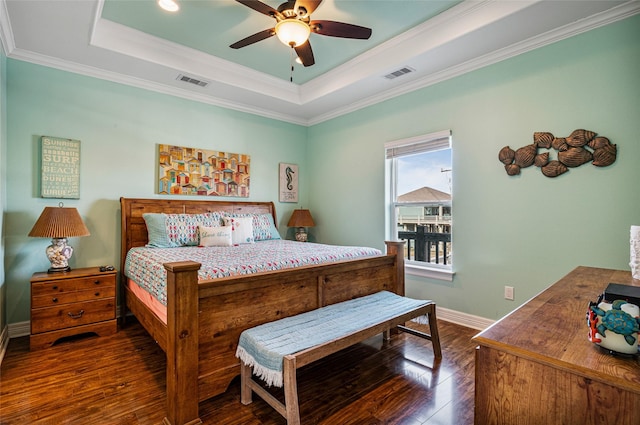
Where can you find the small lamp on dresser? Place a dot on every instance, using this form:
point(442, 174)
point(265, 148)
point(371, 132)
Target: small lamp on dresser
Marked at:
point(301, 219)
point(59, 223)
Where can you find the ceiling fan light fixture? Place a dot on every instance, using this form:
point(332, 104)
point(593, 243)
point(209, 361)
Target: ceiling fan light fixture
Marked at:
point(292, 32)
point(169, 5)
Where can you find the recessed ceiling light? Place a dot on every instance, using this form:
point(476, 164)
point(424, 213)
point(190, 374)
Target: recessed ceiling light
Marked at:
point(169, 5)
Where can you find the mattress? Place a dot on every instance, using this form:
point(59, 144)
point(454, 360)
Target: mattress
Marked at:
point(144, 266)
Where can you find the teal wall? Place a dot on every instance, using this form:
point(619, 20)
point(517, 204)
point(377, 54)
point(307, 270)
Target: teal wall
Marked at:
point(3, 191)
point(525, 231)
point(119, 128)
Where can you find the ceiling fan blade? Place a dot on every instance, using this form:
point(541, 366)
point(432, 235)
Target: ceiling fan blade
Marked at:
point(340, 29)
point(305, 54)
point(259, 36)
point(309, 5)
point(261, 7)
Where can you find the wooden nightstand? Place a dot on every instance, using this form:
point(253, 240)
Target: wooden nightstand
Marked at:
point(72, 303)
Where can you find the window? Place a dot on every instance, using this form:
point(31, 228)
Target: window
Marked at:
point(418, 175)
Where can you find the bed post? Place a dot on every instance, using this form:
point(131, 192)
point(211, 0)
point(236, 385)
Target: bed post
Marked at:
point(397, 248)
point(182, 343)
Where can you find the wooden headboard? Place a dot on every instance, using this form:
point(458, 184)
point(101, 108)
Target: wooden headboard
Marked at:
point(134, 230)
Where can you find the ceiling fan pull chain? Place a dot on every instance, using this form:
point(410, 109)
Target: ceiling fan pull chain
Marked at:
point(292, 60)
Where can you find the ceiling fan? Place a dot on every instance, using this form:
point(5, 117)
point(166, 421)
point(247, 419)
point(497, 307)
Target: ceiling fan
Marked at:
point(294, 25)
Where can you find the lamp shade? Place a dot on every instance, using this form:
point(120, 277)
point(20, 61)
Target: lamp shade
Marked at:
point(292, 32)
point(301, 218)
point(59, 222)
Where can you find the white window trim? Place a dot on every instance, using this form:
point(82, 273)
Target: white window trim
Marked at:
point(430, 272)
point(422, 143)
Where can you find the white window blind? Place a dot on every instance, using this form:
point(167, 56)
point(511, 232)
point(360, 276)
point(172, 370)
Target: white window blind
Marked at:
point(419, 144)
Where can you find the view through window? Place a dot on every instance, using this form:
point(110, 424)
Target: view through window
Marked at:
point(419, 176)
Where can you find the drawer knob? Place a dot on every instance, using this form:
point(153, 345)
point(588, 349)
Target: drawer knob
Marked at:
point(97, 282)
point(55, 300)
point(55, 287)
point(97, 294)
point(76, 316)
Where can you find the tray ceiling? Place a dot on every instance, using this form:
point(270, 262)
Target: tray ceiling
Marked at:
point(137, 43)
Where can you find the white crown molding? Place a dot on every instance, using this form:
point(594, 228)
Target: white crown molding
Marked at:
point(7, 43)
point(612, 15)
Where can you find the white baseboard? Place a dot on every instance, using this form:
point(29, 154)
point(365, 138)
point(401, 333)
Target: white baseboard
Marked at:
point(4, 342)
point(463, 319)
point(19, 329)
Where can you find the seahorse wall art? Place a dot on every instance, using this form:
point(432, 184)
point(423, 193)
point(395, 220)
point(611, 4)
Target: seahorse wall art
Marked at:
point(581, 147)
point(289, 172)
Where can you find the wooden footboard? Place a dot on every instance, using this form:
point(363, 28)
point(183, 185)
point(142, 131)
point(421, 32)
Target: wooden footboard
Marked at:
point(204, 324)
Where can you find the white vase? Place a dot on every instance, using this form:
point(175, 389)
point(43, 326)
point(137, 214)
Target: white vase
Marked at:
point(635, 252)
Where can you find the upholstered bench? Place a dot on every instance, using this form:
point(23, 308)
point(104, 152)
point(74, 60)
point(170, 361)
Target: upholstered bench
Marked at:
point(274, 351)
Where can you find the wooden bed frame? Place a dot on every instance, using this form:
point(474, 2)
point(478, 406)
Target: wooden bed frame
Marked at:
point(205, 319)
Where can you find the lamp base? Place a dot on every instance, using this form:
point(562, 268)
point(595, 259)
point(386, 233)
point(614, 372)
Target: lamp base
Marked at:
point(59, 269)
point(59, 254)
point(301, 234)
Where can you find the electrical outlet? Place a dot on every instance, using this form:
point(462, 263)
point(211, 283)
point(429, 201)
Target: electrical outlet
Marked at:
point(508, 293)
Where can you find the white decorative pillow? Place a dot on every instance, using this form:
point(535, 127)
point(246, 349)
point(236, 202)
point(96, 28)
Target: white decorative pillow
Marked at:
point(242, 229)
point(215, 236)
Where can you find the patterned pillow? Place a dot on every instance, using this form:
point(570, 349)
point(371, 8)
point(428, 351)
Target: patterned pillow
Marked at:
point(173, 230)
point(263, 226)
point(215, 236)
point(242, 231)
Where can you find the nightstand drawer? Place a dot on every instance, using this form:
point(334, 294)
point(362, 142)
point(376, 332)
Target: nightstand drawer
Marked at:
point(57, 287)
point(66, 316)
point(63, 297)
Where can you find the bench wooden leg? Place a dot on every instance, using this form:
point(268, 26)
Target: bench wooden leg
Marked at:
point(245, 387)
point(435, 336)
point(386, 335)
point(291, 391)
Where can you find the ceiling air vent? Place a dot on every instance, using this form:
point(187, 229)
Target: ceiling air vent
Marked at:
point(399, 73)
point(192, 80)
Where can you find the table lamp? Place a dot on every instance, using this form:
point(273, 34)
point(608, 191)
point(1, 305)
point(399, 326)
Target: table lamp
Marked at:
point(301, 219)
point(59, 223)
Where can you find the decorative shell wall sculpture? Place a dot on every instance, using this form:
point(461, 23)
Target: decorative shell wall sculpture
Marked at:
point(604, 156)
point(506, 155)
point(512, 169)
point(580, 147)
point(525, 155)
point(541, 159)
point(575, 157)
point(554, 169)
point(543, 139)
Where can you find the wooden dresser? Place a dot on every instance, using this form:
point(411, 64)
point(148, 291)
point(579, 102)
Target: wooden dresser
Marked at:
point(536, 365)
point(72, 303)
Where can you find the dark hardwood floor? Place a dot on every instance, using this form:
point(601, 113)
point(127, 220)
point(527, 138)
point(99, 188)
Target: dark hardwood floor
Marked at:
point(120, 380)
